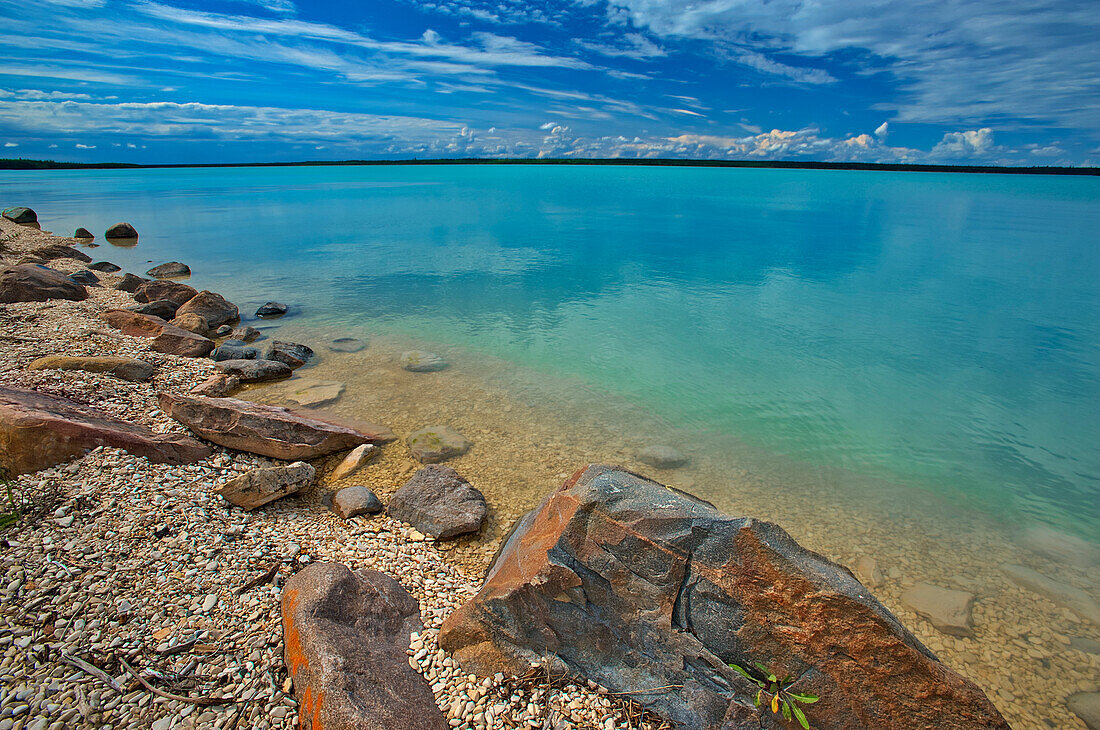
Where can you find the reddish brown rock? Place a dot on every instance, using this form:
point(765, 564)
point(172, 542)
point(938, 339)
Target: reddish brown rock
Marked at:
point(39, 430)
point(162, 289)
point(35, 283)
point(268, 430)
point(345, 635)
point(651, 591)
point(212, 307)
point(167, 338)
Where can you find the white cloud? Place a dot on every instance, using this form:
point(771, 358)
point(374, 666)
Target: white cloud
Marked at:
point(85, 146)
point(548, 125)
point(11, 144)
point(971, 143)
point(882, 130)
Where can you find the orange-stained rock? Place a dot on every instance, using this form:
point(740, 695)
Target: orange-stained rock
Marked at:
point(651, 591)
point(38, 430)
point(345, 635)
point(268, 430)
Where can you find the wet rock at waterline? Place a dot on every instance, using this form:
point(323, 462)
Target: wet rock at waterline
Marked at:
point(662, 457)
point(439, 502)
point(20, 214)
point(34, 283)
point(224, 331)
point(121, 230)
point(39, 430)
point(437, 443)
point(170, 270)
point(354, 501)
point(245, 334)
point(124, 368)
point(254, 371)
point(289, 353)
point(83, 233)
point(420, 361)
point(212, 307)
point(268, 430)
point(105, 266)
point(625, 582)
point(173, 291)
point(345, 635)
point(347, 344)
point(271, 310)
point(949, 611)
point(234, 351)
point(260, 486)
point(354, 461)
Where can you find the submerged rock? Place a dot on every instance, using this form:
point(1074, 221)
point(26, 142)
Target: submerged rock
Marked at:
point(124, 368)
point(354, 501)
point(83, 233)
point(347, 344)
point(1086, 705)
point(345, 637)
point(289, 353)
point(170, 270)
point(949, 611)
point(20, 214)
point(33, 283)
point(255, 371)
point(212, 307)
point(121, 230)
point(271, 310)
point(1060, 594)
point(268, 430)
point(439, 502)
point(245, 334)
point(866, 569)
point(437, 443)
point(662, 457)
point(260, 486)
point(1061, 548)
point(653, 592)
point(420, 361)
point(39, 430)
point(310, 393)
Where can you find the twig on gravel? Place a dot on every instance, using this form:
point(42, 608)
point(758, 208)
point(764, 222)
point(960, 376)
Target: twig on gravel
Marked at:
point(93, 670)
point(261, 579)
point(200, 701)
point(178, 648)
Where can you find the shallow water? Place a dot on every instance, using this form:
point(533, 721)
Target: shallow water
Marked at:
point(899, 365)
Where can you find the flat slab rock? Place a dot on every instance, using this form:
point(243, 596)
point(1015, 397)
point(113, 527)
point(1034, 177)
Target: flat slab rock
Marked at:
point(124, 368)
point(439, 502)
point(167, 338)
point(434, 444)
point(260, 486)
point(949, 611)
point(268, 430)
point(1058, 593)
point(36, 283)
point(420, 361)
point(345, 634)
point(38, 430)
point(1086, 705)
point(310, 393)
point(636, 586)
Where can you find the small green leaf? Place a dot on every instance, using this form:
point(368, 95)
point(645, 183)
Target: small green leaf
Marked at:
point(759, 698)
point(746, 675)
point(807, 698)
point(786, 711)
point(801, 717)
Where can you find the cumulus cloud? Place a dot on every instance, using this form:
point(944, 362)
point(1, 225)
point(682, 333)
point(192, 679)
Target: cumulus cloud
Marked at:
point(85, 146)
point(11, 144)
point(971, 143)
point(882, 130)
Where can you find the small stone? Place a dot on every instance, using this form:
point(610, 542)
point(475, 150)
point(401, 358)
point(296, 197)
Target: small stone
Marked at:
point(354, 501)
point(209, 602)
point(354, 461)
point(224, 330)
point(170, 270)
point(271, 310)
point(420, 361)
point(130, 283)
point(83, 233)
point(245, 334)
point(289, 353)
point(105, 266)
point(85, 277)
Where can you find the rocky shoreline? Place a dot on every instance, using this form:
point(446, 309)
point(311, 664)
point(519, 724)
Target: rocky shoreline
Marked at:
point(201, 580)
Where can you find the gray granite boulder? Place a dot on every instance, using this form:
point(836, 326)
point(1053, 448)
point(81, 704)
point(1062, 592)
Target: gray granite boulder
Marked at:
point(33, 283)
point(170, 270)
point(255, 371)
point(345, 637)
point(212, 307)
point(20, 214)
point(439, 502)
point(289, 353)
point(260, 486)
point(271, 310)
point(420, 361)
point(651, 592)
point(354, 501)
point(121, 230)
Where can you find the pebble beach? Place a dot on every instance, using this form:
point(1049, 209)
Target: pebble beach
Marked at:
point(122, 573)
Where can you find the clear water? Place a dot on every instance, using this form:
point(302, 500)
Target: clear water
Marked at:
point(936, 330)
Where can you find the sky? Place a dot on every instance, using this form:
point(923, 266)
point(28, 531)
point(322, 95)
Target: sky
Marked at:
point(1012, 82)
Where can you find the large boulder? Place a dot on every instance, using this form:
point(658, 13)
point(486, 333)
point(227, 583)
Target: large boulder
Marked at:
point(192, 323)
point(163, 289)
point(121, 230)
point(166, 338)
point(268, 430)
point(20, 214)
point(653, 592)
point(124, 368)
point(212, 307)
point(60, 251)
point(39, 430)
point(260, 486)
point(271, 310)
point(254, 371)
point(130, 283)
point(439, 502)
point(34, 283)
point(345, 635)
point(288, 353)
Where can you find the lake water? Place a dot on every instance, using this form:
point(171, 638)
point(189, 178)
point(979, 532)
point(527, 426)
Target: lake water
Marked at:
point(934, 330)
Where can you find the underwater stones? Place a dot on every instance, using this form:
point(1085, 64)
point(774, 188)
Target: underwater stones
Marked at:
point(437, 443)
point(254, 371)
point(661, 457)
point(83, 233)
point(290, 353)
point(34, 283)
point(1058, 593)
point(421, 361)
point(20, 214)
point(170, 270)
point(105, 266)
point(1060, 547)
point(124, 368)
point(271, 310)
point(354, 461)
point(949, 611)
point(346, 344)
point(439, 502)
point(130, 283)
point(260, 486)
point(1086, 705)
point(268, 430)
point(173, 291)
point(121, 230)
point(212, 307)
point(354, 501)
point(310, 393)
point(622, 581)
point(866, 569)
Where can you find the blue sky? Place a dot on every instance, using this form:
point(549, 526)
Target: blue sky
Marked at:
point(942, 81)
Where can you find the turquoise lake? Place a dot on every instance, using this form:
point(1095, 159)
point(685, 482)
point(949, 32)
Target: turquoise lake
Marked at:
point(934, 330)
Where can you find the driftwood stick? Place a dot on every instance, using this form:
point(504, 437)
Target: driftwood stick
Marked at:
point(200, 701)
point(261, 579)
point(94, 671)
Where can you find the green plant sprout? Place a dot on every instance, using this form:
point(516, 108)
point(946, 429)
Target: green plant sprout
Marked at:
point(9, 518)
point(783, 700)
